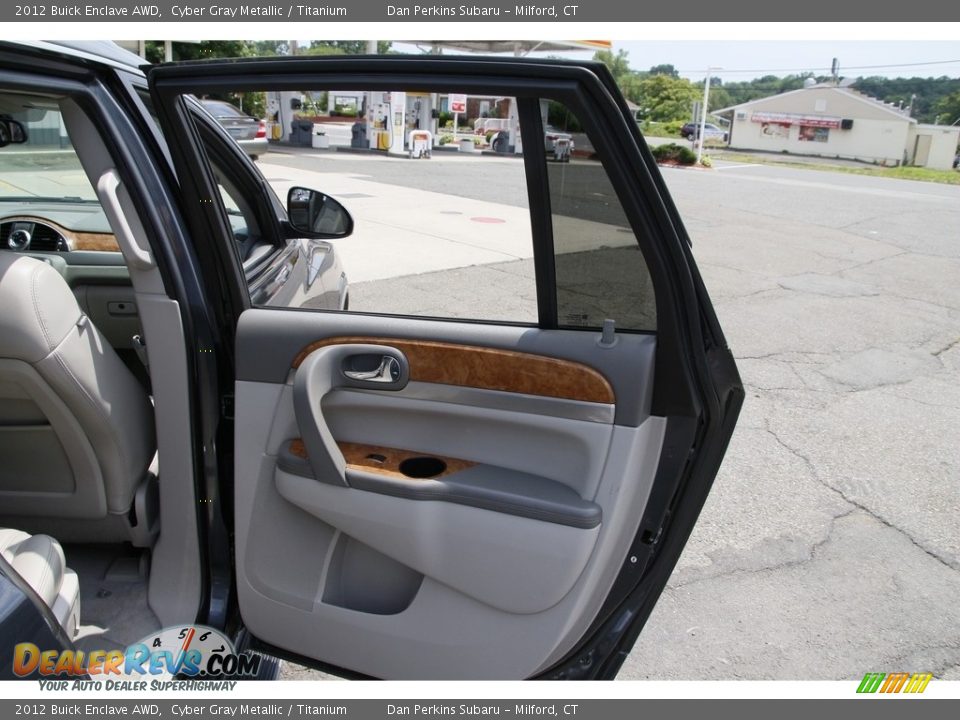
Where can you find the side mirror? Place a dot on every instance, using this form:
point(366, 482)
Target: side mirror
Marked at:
point(12, 132)
point(317, 215)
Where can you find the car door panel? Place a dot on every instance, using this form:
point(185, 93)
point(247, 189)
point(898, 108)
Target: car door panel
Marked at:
point(513, 540)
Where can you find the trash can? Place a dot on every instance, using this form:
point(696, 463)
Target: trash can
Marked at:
point(301, 132)
point(358, 135)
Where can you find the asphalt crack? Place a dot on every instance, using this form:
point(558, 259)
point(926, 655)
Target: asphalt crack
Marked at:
point(879, 518)
point(811, 556)
point(946, 348)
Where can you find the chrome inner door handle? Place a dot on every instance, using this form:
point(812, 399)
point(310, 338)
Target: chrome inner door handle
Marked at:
point(387, 372)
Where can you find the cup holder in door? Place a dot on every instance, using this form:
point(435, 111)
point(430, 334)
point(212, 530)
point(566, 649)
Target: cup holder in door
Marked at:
point(422, 468)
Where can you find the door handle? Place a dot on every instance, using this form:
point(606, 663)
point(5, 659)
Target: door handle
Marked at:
point(108, 187)
point(325, 370)
point(387, 372)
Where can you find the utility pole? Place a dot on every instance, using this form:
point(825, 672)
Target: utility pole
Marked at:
point(703, 112)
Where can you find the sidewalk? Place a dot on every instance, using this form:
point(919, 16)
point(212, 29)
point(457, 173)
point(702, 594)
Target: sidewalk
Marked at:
point(405, 231)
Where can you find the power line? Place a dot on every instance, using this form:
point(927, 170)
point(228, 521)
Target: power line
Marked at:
point(827, 69)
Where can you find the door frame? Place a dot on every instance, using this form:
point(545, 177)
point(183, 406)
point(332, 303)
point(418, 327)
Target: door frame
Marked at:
point(697, 386)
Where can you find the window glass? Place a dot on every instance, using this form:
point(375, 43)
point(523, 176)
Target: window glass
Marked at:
point(46, 201)
point(437, 189)
point(600, 270)
point(219, 108)
point(438, 198)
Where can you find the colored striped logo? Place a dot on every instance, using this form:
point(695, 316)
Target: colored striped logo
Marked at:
point(894, 682)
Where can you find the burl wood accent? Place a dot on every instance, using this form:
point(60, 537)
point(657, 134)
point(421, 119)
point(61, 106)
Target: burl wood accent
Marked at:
point(103, 242)
point(488, 368)
point(296, 447)
point(357, 458)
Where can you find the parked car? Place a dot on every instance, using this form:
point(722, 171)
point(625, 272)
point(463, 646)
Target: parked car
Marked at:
point(250, 133)
point(380, 496)
point(710, 131)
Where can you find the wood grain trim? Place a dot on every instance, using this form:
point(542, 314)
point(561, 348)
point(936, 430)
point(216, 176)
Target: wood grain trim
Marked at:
point(297, 448)
point(488, 368)
point(357, 456)
point(102, 242)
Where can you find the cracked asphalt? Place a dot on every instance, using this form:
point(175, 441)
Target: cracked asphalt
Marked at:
point(830, 545)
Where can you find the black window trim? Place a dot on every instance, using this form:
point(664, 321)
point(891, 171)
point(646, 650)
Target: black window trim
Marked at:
point(541, 214)
point(528, 91)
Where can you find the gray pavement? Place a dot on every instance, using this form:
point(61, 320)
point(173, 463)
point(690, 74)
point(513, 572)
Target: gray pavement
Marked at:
point(830, 544)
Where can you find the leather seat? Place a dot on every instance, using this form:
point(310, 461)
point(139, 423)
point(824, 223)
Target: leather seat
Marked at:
point(39, 561)
point(76, 427)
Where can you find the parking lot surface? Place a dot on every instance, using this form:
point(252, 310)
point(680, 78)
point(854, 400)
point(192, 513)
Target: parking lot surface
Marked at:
point(830, 545)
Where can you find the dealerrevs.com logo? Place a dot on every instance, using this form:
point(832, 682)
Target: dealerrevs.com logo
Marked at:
point(191, 652)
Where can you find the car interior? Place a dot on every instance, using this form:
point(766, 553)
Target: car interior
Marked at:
point(412, 496)
point(79, 468)
point(84, 413)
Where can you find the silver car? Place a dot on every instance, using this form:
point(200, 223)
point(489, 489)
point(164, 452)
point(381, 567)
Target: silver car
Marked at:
point(250, 133)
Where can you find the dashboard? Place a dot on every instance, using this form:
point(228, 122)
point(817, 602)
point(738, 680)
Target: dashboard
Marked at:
point(30, 233)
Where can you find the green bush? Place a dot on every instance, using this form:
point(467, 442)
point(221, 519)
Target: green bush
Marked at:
point(446, 139)
point(673, 153)
point(661, 129)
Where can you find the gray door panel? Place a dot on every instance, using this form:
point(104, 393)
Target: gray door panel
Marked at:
point(491, 567)
point(628, 365)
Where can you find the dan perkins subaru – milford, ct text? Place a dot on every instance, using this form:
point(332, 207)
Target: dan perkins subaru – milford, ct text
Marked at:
point(426, 11)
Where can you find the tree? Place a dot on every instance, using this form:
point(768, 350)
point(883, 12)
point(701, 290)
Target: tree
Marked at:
point(263, 48)
point(929, 92)
point(322, 50)
point(345, 47)
point(719, 97)
point(619, 64)
point(203, 50)
point(665, 70)
point(948, 109)
point(252, 103)
point(663, 98)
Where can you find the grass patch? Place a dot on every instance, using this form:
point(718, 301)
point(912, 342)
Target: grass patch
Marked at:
point(945, 177)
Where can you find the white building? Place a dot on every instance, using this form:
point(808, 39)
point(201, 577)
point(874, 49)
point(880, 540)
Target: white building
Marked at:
point(839, 122)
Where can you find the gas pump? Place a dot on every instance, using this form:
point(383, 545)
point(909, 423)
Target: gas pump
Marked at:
point(274, 130)
point(398, 123)
point(513, 127)
point(377, 120)
point(419, 106)
point(281, 106)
